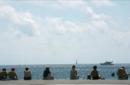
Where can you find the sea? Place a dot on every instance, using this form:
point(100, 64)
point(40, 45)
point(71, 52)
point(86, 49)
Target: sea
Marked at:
point(62, 71)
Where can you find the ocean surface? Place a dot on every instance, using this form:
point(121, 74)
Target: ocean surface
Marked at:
point(62, 71)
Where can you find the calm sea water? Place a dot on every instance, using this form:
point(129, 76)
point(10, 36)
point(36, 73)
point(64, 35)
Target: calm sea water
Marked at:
point(62, 71)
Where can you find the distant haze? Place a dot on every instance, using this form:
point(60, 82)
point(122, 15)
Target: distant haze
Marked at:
point(63, 31)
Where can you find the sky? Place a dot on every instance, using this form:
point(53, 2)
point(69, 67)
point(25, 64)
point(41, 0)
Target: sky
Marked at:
point(63, 31)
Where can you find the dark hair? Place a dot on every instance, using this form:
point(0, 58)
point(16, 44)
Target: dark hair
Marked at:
point(13, 69)
point(95, 67)
point(26, 68)
point(123, 67)
point(4, 69)
point(47, 68)
point(73, 66)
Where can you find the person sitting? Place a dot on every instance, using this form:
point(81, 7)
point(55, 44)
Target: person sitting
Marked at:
point(3, 74)
point(12, 75)
point(47, 74)
point(89, 77)
point(27, 74)
point(73, 73)
point(121, 73)
point(113, 74)
point(95, 74)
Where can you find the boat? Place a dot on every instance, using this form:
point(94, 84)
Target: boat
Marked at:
point(107, 63)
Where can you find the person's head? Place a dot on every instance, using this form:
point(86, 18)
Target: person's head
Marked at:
point(73, 67)
point(26, 68)
point(123, 67)
point(95, 67)
point(12, 69)
point(4, 69)
point(120, 69)
point(113, 74)
point(47, 68)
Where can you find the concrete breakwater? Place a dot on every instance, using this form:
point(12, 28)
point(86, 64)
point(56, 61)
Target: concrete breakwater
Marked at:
point(66, 82)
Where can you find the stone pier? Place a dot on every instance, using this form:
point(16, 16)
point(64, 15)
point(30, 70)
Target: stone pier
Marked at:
point(66, 82)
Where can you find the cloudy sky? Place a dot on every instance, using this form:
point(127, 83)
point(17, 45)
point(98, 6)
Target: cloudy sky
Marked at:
point(61, 31)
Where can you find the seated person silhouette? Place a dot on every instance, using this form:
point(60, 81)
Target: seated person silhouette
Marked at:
point(3, 74)
point(73, 73)
point(27, 74)
point(47, 74)
point(12, 75)
point(121, 73)
point(95, 74)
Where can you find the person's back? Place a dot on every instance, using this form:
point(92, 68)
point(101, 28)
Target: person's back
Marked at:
point(94, 73)
point(12, 74)
point(27, 74)
point(121, 73)
point(47, 74)
point(3, 74)
point(73, 73)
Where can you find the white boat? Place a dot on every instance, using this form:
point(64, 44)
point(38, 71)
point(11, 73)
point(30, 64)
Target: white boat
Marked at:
point(107, 63)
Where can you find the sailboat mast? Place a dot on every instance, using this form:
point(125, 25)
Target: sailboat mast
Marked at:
point(76, 62)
